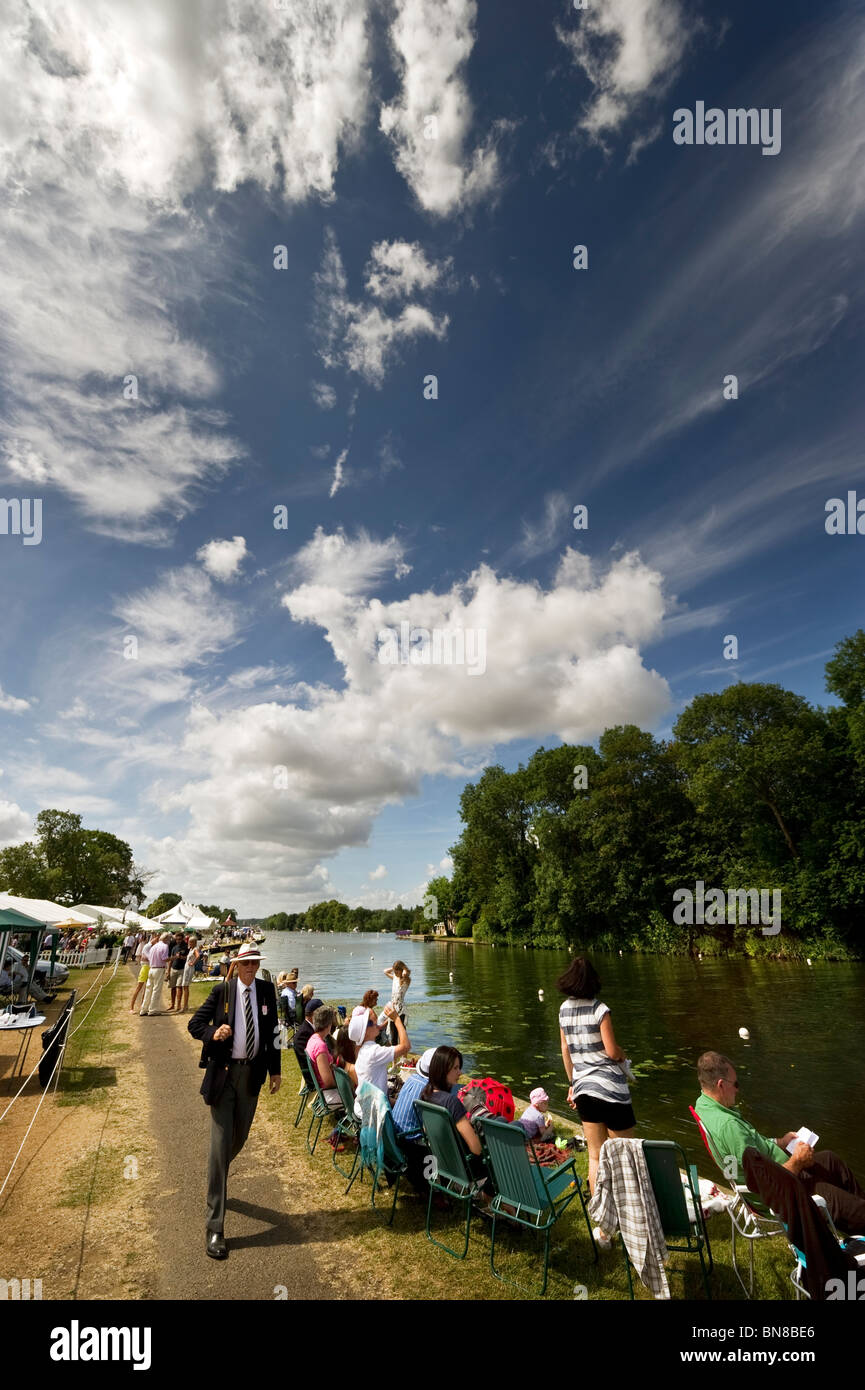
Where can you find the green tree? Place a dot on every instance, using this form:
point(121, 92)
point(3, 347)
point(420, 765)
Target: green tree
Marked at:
point(162, 904)
point(69, 864)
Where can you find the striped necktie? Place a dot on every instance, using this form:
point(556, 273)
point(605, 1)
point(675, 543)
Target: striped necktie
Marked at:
point(250, 1026)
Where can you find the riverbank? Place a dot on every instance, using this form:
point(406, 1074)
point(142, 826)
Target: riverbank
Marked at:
point(108, 1199)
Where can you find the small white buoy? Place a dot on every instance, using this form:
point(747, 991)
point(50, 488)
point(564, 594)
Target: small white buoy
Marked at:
point(743, 1033)
point(699, 955)
point(451, 975)
point(807, 960)
point(540, 994)
point(620, 953)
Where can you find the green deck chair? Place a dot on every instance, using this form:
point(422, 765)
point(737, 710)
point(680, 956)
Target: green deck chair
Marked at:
point(452, 1175)
point(527, 1194)
point(320, 1108)
point(664, 1159)
point(389, 1164)
point(348, 1127)
point(307, 1089)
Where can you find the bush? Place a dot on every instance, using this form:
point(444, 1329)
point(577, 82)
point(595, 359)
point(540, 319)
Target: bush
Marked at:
point(464, 926)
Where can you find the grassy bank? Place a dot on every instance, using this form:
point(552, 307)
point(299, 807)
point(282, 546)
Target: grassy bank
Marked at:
point(408, 1266)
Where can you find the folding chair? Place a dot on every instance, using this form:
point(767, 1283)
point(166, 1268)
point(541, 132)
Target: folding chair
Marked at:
point(321, 1107)
point(385, 1160)
point(749, 1217)
point(526, 1194)
point(307, 1088)
point(452, 1175)
point(348, 1126)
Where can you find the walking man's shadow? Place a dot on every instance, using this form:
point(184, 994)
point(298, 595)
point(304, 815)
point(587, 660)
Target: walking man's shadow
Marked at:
point(279, 1226)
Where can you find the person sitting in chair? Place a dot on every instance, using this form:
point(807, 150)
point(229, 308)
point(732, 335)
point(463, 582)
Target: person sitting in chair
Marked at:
point(824, 1172)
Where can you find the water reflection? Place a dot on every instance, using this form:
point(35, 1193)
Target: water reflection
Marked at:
point(801, 1066)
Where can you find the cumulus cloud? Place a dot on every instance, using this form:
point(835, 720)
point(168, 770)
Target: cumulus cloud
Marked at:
point(262, 786)
point(397, 268)
point(361, 336)
point(15, 824)
point(380, 872)
point(310, 775)
point(629, 50)
point(429, 124)
point(223, 559)
point(12, 704)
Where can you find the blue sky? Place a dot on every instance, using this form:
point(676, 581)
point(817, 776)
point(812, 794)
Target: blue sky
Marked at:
point(207, 685)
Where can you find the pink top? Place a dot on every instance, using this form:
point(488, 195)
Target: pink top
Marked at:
point(314, 1048)
point(158, 955)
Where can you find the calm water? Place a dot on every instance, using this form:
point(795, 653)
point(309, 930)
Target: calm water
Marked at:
point(803, 1064)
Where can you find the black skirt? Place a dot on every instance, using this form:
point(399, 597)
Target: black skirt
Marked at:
point(615, 1116)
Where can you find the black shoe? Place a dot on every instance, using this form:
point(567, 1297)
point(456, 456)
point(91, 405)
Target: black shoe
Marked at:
point(216, 1246)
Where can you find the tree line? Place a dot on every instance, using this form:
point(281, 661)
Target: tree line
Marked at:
point(756, 789)
point(336, 916)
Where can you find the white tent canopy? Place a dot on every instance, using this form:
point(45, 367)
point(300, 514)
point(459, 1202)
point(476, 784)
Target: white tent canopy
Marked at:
point(54, 914)
point(122, 916)
point(188, 916)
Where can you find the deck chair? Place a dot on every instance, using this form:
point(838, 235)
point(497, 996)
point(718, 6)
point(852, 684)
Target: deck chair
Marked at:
point(526, 1194)
point(678, 1205)
point(855, 1245)
point(321, 1108)
point(382, 1160)
point(348, 1126)
point(452, 1175)
point(307, 1087)
point(750, 1218)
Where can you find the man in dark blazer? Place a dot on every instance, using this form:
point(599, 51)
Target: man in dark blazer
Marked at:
point(238, 1025)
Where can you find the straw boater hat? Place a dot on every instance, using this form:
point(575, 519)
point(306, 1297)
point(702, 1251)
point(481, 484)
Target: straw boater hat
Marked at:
point(292, 976)
point(248, 953)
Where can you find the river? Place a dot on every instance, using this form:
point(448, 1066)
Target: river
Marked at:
point(794, 1070)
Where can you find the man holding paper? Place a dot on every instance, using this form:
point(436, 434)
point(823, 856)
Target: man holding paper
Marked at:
point(730, 1135)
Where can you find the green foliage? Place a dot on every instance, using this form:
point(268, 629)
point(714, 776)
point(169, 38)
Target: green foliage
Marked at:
point(757, 789)
point(162, 904)
point(68, 864)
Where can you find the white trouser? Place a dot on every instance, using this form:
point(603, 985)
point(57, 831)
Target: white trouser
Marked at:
point(152, 1001)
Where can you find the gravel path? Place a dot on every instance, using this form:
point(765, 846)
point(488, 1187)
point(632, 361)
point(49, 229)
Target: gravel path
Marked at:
point(268, 1256)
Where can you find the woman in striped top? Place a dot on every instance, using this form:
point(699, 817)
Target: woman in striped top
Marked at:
point(591, 1056)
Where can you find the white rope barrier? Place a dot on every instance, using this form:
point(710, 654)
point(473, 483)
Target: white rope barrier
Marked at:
point(55, 1070)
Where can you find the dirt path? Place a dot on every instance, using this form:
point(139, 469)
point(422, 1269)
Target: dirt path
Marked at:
point(266, 1239)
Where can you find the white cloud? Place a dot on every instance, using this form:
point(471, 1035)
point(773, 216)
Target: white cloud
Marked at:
point(362, 337)
point(432, 41)
point(629, 50)
point(178, 623)
point(11, 704)
point(15, 824)
point(312, 774)
point(323, 395)
point(539, 537)
point(114, 117)
point(337, 473)
point(380, 872)
point(223, 559)
point(333, 561)
point(396, 269)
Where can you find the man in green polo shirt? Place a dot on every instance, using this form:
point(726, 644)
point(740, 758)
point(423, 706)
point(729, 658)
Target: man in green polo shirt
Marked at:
point(730, 1135)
